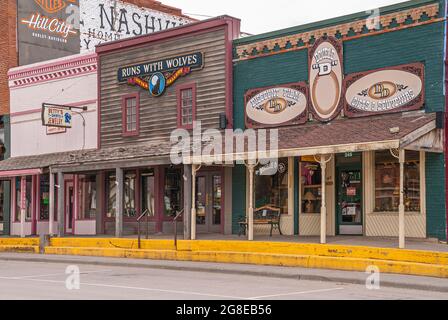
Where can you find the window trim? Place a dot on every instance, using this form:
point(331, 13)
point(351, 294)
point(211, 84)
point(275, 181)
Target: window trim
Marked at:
point(125, 131)
point(371, 200)
point(179, 89)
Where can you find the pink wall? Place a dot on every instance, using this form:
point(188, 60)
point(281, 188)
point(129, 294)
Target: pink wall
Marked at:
point(71, 80)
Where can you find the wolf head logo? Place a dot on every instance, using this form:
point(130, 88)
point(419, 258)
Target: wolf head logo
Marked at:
point(53, 6)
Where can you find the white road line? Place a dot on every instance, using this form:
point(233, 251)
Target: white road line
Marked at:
point(296, 293)
point(52, 274)
point(134, 288)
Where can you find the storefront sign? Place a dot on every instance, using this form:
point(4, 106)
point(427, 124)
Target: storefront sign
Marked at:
point(56, 117)
point(44, 31)
point(276, 106)
point(55, 130)
point(326, 77)
point(394, 89)
point(156, 76)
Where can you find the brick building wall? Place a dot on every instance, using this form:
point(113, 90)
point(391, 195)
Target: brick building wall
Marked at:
point(8, 52)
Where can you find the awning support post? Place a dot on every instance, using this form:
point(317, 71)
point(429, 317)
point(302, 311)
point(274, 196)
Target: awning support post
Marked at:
point(194, 170)
point(401, 208)
point(323, 211)
point(61, 207)
point(22, 206)
point(250, 233)
point(119, 207)
point(51, 199)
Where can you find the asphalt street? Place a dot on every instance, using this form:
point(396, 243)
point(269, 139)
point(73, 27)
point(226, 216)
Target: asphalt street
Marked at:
point(48, 280)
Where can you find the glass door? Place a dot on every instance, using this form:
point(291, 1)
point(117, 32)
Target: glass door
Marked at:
point(350, 197)
point(209, 202)
point(69, 207)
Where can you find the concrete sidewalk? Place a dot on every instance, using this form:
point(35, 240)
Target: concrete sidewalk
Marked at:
point(334, 276)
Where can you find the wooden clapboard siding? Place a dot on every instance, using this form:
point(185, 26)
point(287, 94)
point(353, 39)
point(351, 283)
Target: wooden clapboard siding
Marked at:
point(158, 116)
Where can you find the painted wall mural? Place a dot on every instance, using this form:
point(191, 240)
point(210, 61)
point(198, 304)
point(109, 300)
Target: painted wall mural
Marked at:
point(50, 29)
point(108, 20)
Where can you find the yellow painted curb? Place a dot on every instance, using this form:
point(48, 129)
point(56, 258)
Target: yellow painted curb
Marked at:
point(19, 248)
point(112, 243)
point(305, 261)
point(19, 241)
point(342, 251)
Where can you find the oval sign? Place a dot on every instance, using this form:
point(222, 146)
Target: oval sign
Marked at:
point(387, 90)
point(326, 78)
point(276, 106)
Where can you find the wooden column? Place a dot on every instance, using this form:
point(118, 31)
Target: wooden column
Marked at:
point(401, 208)
point(187, 201)
point(194, 170)
point(323, 210)
point(51, 205)
point(61, 211)
point(22, 206)
point(119, 203)
point(250, 220)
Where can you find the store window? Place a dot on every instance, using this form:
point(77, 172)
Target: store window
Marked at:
point(186, 102)
point(130, 111)
point(387, 182)
point(28, 199)
point(173, 202)
point(130, 180)
point(44, 194)
point(111, 191)
point(2, 201)
point(87, 196)
point(271, 185)
point(311, 186)
point(148, 191)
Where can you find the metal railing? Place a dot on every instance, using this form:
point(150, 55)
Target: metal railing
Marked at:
point(175, 220)
point(139, 219)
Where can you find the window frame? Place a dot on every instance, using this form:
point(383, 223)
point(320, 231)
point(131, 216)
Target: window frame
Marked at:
point(179, 90)
point(125, 131)
point(422, 168)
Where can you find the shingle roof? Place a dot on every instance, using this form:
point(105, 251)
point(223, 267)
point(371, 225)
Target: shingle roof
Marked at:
point(337, 132)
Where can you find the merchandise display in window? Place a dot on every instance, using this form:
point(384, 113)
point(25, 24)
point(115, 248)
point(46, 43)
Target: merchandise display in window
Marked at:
point(311, 180)
point(271, 185)
point(173, 192)
point(387, 182)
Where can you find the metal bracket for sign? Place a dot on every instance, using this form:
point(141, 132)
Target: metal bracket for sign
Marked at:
point(46, 105)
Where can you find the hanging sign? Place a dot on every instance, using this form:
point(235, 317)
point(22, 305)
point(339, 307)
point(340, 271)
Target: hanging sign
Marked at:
point(156, 76)
point(276, 106)
point(56, 117)
point(387, 90)
point(326, 77)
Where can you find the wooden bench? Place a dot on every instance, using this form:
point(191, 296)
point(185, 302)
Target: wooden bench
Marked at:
point(266, 215)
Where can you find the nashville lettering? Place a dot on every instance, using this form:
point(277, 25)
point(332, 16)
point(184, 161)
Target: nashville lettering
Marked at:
point(52, 25)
